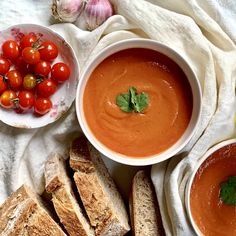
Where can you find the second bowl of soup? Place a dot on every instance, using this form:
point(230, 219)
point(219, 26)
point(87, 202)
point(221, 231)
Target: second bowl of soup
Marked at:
point(211, 192)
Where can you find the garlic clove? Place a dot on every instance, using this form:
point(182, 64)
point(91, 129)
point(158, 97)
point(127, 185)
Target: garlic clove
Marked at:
point(67, 10)
point(81, 22)
point(96, 12)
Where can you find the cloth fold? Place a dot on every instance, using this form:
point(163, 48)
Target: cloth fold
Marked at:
point(203, 32)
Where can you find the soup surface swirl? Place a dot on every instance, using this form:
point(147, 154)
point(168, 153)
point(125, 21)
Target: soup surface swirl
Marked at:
point(164, 120)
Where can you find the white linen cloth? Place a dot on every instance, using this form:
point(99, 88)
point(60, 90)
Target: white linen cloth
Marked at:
point(203, 32)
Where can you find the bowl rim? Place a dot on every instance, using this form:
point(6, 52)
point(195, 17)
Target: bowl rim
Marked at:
point(192, 176)
point(73, 55)
point(119, 46)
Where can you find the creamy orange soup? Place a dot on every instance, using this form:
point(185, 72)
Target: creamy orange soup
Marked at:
point(164, 120)
point(211, 215)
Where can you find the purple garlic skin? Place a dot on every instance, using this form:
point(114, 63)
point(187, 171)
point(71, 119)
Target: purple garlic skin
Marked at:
point(67, 10)
point(97, 12)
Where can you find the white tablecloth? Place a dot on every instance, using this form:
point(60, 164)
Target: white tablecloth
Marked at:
point(203, 32)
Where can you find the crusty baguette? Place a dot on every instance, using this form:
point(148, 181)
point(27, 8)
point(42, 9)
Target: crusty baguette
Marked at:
point(144, 209)
point(102, 201)
point(67, 208)
point(24, 214)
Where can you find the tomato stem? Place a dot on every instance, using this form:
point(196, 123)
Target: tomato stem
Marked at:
point(37, 44)
point(4, 79)
point(16, 102)
point(39, 79)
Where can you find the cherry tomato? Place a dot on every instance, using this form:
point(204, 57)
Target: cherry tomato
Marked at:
point(4, 66)
point(7, 99)
point(60, 72)
point(14, 79)
point(46, 88)
point(28, 40)
point(23, 67)
point(29, 81)
point(31, 55)
point(42, 68)
point(42, 105)
point(3, 84)
point(10, 49)
point(48, 51)
point(26, 100)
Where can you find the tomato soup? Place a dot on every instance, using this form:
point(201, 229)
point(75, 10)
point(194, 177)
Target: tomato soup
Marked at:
point(210, 213)
point(164, 120)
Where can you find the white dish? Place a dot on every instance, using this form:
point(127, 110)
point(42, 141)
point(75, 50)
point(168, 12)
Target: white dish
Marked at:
point(189, 185)
point(66, 92)
point(196, 91)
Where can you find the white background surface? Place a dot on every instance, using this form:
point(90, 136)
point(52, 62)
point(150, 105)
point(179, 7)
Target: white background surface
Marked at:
point(203, 32)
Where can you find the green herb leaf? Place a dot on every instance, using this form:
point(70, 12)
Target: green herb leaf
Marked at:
point(132, 101)
point(228, 191)
point(132, 92)
point(123, 101)
point(141, 102)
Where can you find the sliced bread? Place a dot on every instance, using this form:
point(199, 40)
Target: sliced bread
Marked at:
point(101, 199)
point(23, 213)
point(144, 209)
point(66, 206)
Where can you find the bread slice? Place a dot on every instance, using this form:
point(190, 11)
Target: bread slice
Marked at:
point(144, 209)
point(24, 214)
point(67, 208)
point(101, 199)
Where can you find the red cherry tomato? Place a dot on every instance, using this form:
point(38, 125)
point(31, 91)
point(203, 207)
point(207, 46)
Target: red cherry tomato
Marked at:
point(10, 49)
point(7, 99)
point(26, 100)
point(28, 40)
point(60, 72)
point(29, 81)
point(42, 68)
point(31, 55)
point(48, 51)
point(3, 85)
point(14, 79)
point(23, 67)
point(46, 88)
point(42, 106)
point(4, 66)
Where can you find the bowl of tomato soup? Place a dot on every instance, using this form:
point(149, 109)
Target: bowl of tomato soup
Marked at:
point(211, 193)
point(138, 102)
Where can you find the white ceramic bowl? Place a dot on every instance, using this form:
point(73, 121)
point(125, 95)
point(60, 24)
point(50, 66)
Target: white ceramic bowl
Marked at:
point(196, 91)
point(190, 182)
point(66, 92)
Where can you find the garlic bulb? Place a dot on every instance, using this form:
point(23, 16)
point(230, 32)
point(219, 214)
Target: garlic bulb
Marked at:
point(67, 10)
point(81, 22)
point(96, 12)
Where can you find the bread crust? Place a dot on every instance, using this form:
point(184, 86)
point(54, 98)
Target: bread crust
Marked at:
point(14, 216)
point(144, 223)
point(94, 184)
point(80, 159)
point(94, 198)
point(39, 223)
point(23, 214)
point(65, 204)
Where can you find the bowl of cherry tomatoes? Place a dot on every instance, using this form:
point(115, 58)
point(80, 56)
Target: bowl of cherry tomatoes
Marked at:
point(38, 76)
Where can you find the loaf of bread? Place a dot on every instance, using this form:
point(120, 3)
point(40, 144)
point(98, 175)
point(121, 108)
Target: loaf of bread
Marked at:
point(23, 213)
point(102, 201)
point(67, 207)
point(144, 209)
point(103, 212)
